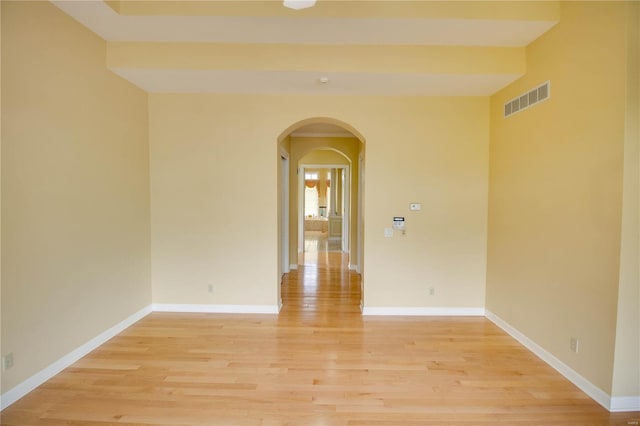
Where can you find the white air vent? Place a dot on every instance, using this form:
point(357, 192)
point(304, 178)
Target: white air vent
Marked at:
point(528, 99)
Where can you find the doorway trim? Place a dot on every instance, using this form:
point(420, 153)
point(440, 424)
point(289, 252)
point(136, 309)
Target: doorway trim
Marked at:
point(283, 267)
point(284, 205)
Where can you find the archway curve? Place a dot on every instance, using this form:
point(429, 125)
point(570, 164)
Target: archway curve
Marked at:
point(321, 120)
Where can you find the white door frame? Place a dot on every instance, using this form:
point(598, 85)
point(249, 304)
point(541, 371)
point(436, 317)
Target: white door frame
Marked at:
point(284, 205)
point(347, 201)
point(360, 238)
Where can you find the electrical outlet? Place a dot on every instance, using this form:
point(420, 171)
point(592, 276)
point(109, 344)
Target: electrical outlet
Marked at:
point(432, 291)
point(574, 344)
point(210, 288)
point(7, 361)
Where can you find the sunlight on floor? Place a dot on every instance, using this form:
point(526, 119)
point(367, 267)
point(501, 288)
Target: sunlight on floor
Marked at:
point(317, 248)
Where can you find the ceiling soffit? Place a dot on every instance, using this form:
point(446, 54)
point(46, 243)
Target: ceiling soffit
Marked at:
point(362, 47)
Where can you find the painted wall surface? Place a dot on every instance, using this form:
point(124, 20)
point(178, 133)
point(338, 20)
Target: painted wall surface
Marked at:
point(434, 152)
point(214, 195)
point(556, 191)
point(305, 148)
point(75, 189)
point(626, 369)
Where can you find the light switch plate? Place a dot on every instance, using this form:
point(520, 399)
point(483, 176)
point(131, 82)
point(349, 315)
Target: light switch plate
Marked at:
point(388, 232)
point(415, 206)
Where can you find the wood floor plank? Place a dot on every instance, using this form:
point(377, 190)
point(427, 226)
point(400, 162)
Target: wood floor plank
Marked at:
point(318, 362)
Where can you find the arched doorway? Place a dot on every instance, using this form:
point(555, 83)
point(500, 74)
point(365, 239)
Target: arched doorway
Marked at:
point(318, 134)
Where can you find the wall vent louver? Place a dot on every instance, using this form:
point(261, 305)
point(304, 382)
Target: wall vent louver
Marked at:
point(527, 100)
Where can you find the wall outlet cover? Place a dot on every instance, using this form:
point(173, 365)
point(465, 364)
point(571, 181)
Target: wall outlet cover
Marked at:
point(574, 344)
point(7, 361)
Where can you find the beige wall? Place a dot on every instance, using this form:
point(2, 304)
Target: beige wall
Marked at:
point(556, 191)
point(435, 152)
point(214, 195)
point(75, 193)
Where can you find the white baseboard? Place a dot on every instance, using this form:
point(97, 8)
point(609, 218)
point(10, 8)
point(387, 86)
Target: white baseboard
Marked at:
point(372, 310)
point(48, 372)
point(597, 394)
point(293, 266)
point(219, 309)
point(624, 403)
point(353, 267)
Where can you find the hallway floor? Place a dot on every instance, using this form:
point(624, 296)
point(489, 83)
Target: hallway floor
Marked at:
point(318, 242)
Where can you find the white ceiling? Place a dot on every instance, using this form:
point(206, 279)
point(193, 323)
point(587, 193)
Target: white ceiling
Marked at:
point(111, 26)
point(300, 29)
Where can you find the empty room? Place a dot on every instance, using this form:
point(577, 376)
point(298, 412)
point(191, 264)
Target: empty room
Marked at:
point(320, 212)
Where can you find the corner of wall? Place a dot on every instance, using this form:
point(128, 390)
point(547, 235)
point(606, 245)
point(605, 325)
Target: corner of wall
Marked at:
point(626, 369)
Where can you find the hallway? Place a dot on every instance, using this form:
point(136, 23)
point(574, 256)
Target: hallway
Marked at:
point(322, 287)
point(322, 290)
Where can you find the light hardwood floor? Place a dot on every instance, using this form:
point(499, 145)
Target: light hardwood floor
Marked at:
point(317, 363)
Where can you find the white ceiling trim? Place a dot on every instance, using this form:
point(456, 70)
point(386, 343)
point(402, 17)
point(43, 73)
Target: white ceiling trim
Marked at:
point(271, 82)
point(111, 26)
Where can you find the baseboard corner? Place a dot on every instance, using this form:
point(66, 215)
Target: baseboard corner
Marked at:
point(624, 403)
